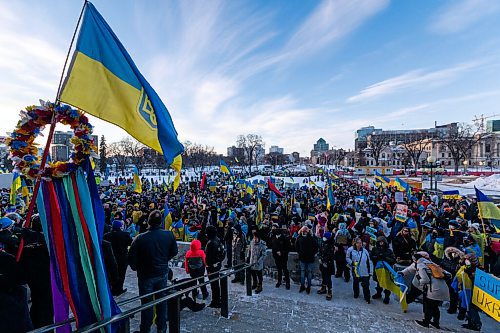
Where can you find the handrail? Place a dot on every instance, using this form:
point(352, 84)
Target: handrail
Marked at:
point(224, 273)
point(128, 313)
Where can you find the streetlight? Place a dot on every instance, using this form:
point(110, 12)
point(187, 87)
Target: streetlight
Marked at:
point(431, 164)
point(465, 165)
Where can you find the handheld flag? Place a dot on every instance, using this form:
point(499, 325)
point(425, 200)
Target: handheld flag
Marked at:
point(403, 186)
point(330, 200)
point(137, 181)
point(451, 194)
point(203, 181)
point(167, 217)
point(273, 188)
point(383, 180)
point(260, 212)
point(225, 168)
point(25, 191)
point(16, 185)
point(104, 81)
point(487, 208)
point(390, 280)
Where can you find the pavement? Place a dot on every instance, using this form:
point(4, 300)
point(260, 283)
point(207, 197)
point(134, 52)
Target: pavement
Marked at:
point(281, 310)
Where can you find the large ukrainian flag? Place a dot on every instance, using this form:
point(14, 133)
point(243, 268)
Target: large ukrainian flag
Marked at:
point(103, 81)
point(488, 209)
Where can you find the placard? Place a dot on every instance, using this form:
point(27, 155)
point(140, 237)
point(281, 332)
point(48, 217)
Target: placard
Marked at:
point(486, 294)
point(399, 197)
point(401, 212)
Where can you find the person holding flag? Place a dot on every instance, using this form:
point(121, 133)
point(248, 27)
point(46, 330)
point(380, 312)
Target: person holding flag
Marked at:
point(382, 253)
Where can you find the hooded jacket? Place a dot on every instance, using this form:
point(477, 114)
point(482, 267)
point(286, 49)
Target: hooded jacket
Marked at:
point(382, 253)
point(195, 257)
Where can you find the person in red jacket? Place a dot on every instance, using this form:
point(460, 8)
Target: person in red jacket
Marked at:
point(195, 266)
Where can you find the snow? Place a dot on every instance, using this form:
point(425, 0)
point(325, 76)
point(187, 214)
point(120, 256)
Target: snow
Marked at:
point(487, 183)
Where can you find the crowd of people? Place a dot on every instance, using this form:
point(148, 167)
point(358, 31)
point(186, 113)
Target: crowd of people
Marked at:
point(439, 244)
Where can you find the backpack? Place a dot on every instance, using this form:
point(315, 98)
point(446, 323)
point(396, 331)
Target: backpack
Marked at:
point(221, 252)
point(436, 271)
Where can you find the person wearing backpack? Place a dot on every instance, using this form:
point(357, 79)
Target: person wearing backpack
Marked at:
point(358, 259)
point(215, 254)
point(195, 263)
point(430, 278)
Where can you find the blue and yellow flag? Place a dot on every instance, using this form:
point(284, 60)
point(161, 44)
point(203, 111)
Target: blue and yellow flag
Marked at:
point(137, 181)
point(25, 191)
point(488, 209)
point(380, 179)
point(403, 186)
point(330, 200)
point(104, 82)
point(454, 194)
point(16, 185)
point(390, 280)
point(167, 217)
point(249, 188)
point(225, 168)
point(260, 212)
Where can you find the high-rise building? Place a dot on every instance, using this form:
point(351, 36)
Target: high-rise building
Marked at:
point(493, 126)
point(61, 145)
point(276, 149)
point(59, 152)
point(321, 145)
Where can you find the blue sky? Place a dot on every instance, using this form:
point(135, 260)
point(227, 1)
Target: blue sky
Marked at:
point(292, 71)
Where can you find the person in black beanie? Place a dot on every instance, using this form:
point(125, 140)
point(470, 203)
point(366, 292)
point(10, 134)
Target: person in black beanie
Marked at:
point(214, 251)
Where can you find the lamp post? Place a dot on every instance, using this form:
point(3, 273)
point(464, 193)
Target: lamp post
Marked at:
point(431, 164)
point(465, 166)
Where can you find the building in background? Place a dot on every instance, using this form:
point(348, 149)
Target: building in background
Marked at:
point(493, 126)
point(61, 145)
point(276, 150)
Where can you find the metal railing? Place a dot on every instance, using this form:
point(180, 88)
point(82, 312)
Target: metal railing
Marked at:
point(173, 300)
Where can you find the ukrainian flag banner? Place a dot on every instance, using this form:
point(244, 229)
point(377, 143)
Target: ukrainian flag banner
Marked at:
point(330, 200)
point(103, 81)
point(403, 186)
point(225, 168)
point(390, 280)
point(487, 208)
point(16, 185)
point(137, 181)
point(167, 217)
point(486, 294)
point(381, 179)
point(454, 194)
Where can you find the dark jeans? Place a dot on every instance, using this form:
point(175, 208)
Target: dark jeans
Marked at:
point(326, 275)
point(365, 284)
point(199, 273)
point(147, 286)
point(229, 254)
point(282, 266)
point(431, 310)
point(122, 270)
point(473, 317)
point(412, 294)
point(342, 269)
point(215, 285)
point(256, 275)
point(306, 270)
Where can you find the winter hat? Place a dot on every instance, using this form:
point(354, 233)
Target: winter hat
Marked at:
point(304, 229)
point(117, 224)
point(5, 222)
point(276, 225)
point(427, 225)
point(237, 227)
point(453, 223)
point(472, 258)
point(421, 254)
point(381, 239)
point(327, 235)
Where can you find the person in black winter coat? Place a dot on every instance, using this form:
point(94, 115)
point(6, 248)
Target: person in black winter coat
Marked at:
point(149, 255)
point(120, 241)
point(307, 247)
point(326, 258)
point(214, 263)
point(403, 246)
point(228, 241)
point(110, 263)
point(280, 245)
point(382, 252)
point(451, 264)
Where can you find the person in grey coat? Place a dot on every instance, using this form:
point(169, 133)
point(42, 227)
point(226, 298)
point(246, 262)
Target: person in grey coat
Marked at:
point(256, 256)
point(358, 259)
point(435, 290)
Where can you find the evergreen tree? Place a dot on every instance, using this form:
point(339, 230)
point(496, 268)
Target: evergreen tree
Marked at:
point(102, 154)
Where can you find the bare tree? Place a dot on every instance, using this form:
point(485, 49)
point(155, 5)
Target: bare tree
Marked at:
point(117, 154)
point(336, 156)
point(460, 141)
point(135, 151)
point(377, 143)
point(198, 156)
point(250, 144)
point(414, 146)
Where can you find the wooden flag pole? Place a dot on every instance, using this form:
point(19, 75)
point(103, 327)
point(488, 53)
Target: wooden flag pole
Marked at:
point(27, 221)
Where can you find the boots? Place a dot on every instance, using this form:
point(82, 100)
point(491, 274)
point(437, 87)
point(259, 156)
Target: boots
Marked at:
point(461, 313)
point(258, 290)
point(302, 288)
point(322, 291)
point(377, 295)
point(278, 284)
point(287, 285)
point(329, 295)
point(387, 298)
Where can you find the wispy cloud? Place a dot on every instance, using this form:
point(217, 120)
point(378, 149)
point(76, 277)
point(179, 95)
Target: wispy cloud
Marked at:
point(412, 79)
point(461, 14)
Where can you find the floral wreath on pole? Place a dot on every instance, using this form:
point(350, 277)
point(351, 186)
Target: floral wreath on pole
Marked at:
point(24, 151)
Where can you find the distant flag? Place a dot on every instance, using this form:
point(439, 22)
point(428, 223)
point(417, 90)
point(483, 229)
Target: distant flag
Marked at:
point(260, 212)
point(177, 166)
point(488, 209)
point(137, 181)
point(25, 191)
point(225, 168)
point(181, 201)
point(203, 181)
point(236, 159)
point(165, 187)
point(403, 186)
point(390, 280)
point(92, 163)
point(249, 188)
point(104, 81)
point(106, 172)
point(379, 178)
point(330, 200)
point(273, 188)
point(16, 185)
point(293, 180)
point(455, 194)
point(167, 217)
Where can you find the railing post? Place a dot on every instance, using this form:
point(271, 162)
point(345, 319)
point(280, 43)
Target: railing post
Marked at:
point(224, 309)
point(174, 315)
point(248, 281)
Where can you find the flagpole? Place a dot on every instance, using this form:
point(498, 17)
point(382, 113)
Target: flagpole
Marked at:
point(27, 221)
